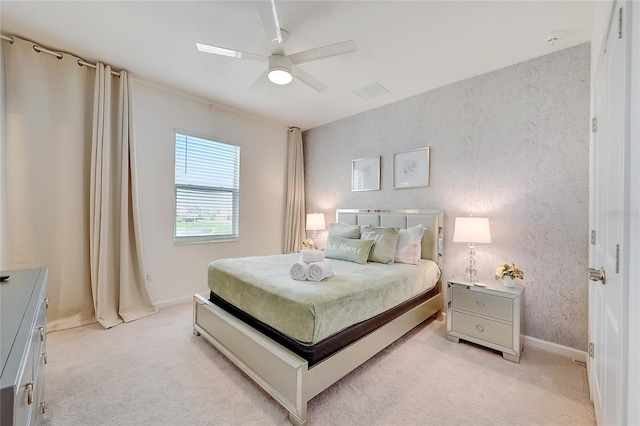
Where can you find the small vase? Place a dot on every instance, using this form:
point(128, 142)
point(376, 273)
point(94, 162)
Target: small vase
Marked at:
point(508, 282)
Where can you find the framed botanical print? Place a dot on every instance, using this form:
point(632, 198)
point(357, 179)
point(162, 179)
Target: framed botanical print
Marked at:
point(411, 169)
point(365, 174)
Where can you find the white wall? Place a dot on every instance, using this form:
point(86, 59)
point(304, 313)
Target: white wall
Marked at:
point(512, 145)
point(181, 270)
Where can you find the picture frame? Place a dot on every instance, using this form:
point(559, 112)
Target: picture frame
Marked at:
point(365, 174)
point(411, 169)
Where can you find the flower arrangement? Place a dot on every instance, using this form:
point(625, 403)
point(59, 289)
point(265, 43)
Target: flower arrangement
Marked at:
point(509, 271)
point(309, 244)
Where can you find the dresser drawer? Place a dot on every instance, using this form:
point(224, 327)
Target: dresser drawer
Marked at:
point(482, 303)
point(40, 330)
point(483, 329)
point(23, 321)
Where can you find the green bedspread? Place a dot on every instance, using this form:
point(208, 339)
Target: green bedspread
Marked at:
point(311, 311)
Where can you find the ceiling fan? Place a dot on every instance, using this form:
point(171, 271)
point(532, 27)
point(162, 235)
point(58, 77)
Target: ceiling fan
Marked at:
point(282, 67)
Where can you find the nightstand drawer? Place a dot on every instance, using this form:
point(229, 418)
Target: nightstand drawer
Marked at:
point(483, 329)
point(482, 303)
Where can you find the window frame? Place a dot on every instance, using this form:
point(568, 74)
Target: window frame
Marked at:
point(204, 239)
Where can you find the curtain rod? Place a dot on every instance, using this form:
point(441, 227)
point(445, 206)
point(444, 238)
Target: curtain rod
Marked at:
point(58, 55)
point(11, 39)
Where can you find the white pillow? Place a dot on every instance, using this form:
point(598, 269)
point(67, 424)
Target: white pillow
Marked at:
point(409, 249)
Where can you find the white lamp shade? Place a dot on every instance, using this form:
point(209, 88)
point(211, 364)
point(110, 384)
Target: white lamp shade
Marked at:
point(472, 230)
point(315, 222)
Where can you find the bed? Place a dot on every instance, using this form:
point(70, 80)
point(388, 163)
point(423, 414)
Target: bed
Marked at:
point(295, 369)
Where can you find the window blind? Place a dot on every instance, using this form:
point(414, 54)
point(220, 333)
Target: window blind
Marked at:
point(206, 189)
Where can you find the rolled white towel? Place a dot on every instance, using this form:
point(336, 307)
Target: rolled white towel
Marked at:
point(318, 271)
point(298, 270)
point(310, 256)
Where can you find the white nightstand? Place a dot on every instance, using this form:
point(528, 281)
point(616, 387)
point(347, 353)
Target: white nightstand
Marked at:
point(491, 316)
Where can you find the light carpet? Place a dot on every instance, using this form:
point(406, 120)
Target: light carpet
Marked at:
point(154, 371)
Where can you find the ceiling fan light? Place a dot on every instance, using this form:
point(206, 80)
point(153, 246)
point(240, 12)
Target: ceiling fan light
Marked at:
point(280, 75)
point(280, 69)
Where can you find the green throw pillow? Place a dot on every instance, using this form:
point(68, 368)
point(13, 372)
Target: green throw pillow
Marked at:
point(385, 243)
point(348, 249)
point(344, 231)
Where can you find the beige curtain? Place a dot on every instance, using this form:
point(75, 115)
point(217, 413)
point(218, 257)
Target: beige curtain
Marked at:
point(117, 271)
point(55, 212)
point(294, 230)
point(48, 106)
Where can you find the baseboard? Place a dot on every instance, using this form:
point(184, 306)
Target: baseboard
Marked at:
point(561, 350)
point(173, 302)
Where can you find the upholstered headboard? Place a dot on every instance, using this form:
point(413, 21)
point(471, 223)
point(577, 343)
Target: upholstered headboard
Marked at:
point(431, 219)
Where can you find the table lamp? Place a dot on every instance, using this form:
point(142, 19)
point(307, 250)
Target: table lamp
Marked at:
point(471, 230)
point(315, 223)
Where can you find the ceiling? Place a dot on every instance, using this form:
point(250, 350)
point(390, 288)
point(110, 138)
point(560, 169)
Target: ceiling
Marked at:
point(408, 47)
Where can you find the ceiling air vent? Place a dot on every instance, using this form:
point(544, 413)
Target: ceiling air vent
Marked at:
point(372, 91)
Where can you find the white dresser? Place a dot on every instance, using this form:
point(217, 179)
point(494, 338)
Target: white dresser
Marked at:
point(23, 330)
point(491, 316)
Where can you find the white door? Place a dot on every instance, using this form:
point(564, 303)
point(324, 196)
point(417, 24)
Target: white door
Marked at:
point(607, 307)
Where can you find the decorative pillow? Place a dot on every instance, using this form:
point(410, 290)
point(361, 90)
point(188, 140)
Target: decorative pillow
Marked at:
point(385, 241)
point(409, 248)
point(344, 231)
point(348, 249)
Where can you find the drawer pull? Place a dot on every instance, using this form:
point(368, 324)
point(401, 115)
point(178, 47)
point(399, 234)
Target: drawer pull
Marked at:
point(29, 393)
point(42, 407)
point(46, 302)
point(41, 331)
point(480, 303)
point(44, 357)
point(480, 328)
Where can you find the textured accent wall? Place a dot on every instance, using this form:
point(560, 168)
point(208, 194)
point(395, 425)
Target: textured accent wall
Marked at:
point(512, 145)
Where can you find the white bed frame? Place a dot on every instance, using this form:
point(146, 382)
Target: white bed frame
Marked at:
point(285, 375)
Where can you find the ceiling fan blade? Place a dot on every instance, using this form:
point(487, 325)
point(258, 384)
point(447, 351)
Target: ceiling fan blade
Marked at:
point(271, 24)
point(260, 81)
point(207, 48)
point(308, 79)
point(323, 52)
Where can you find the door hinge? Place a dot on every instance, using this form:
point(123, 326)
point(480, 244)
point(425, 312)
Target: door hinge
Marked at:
point(594, 124)
point(617, 258)
point(619, 23)
point(591, 350)
point(593, 237)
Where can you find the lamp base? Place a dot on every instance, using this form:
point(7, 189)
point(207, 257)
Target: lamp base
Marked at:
point(470, 272)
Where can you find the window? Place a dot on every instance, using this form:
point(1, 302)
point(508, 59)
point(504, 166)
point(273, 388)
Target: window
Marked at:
point(207, 187)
